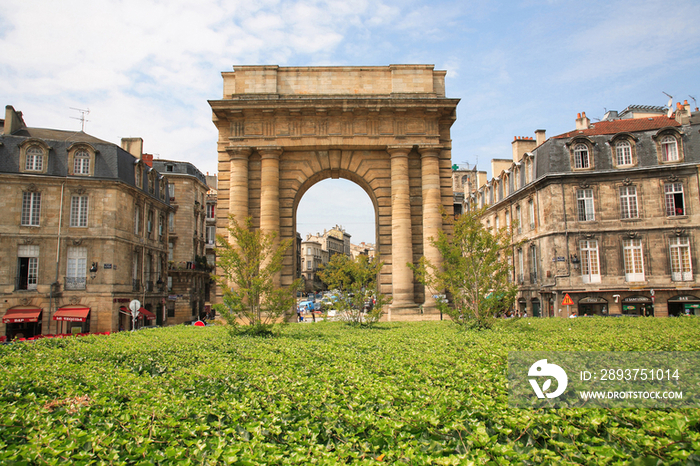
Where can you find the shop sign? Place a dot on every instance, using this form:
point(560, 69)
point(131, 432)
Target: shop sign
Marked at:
point(629, 308)
point(592, 300)
point(637, 299)
point(691, 305)
point(108, 266)
point(684, 298)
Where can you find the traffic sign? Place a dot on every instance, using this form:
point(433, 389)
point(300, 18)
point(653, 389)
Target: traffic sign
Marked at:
point(567, 300)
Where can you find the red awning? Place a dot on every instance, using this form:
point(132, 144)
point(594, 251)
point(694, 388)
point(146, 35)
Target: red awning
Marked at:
point(72, 313)
point(124, 310)
point(20, 314)
point(147, 314)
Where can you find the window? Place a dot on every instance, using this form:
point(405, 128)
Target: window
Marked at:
point(137, 220)
point(584, 198)
point(533, 264)
point(76, 269)
point(634, 260)
point(508, 220)
point(31, 207)
point(151, 184)
point(27, 267)
point(519, 219)
point(81, 163)
point(628, 202)
point(590, 268)
point(150, 223)
point(137, 177)
point(308, 265)
point(674, 199)
point(497, 223)
point(681, 269)
point(171, 221)
point(581, 159)
point(531, 210)
point(161, 225)
point(211, 235)
point(623, 153)
point(211, 211)
point(35, 159)
point(79, 211)
point(171, 191)
point(669, 149)
point(521, 267)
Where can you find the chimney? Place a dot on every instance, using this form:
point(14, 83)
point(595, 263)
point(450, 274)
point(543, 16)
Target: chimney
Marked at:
point(520, 146)
point(540, 137)
point(582, 122)
point(134, 146)
point(148, 159)
point(13, 120)
point(481, 179)
point(683, 112)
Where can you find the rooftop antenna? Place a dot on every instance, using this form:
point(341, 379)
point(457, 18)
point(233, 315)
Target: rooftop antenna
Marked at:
point(669, 104)
point(695, 101)
point(82, 117)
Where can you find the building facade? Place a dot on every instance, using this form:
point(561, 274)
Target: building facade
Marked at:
point(192, 217)
point(606, 215)
point(84, 232)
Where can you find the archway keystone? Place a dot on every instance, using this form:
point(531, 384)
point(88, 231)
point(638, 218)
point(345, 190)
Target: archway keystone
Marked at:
point(282, 130)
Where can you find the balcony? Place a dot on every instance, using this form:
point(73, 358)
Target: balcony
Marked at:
point(75, 283)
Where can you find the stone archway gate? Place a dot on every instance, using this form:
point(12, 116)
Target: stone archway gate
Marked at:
point(281, 130)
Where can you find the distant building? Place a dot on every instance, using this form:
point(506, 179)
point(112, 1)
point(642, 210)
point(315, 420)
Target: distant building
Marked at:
point(84, 232)
point(192, 218)
point(606, 214)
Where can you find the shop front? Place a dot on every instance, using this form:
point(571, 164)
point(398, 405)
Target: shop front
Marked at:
point(638, 306)
point(144, 318)
point(683, 305)
point(73, 319)
point(593, 306)
point(22, 322)
point(536, 307)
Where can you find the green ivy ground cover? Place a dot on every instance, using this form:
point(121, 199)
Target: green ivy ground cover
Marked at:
point(402, 393)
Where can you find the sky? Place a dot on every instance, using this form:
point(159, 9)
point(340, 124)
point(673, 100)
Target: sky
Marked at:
point(147, 68)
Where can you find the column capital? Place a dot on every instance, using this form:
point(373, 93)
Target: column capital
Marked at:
point(269, 152)
point(399, 151)
point(239, 152)
point(430, 150)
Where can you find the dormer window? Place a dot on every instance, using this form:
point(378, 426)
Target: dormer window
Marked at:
point(81, 163)
point(623, 153)
point(581, 156)
point(669, 149)
point(34, 159)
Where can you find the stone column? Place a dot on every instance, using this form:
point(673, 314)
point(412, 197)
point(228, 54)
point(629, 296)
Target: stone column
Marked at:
point(401, 234)
point(270, 193)
point(238, 182)
point(432, 218)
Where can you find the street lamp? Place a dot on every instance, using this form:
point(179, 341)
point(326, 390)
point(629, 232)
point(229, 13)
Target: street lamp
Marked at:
point(93, 270)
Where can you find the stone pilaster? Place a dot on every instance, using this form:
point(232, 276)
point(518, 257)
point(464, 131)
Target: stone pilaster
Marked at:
point(401, 234)
point(432, 218)
point(270, 193)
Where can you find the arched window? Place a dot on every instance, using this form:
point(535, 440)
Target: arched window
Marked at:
point(35, 159)
point(81, 162)
point(669, 149)
point(581, 158)
point(623, 153)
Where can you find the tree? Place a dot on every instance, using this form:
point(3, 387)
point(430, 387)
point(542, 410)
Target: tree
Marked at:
point(252, 304)
point(360, 302)
point(474, 271)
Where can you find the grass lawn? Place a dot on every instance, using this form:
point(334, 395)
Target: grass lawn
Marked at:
point(325, 393)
